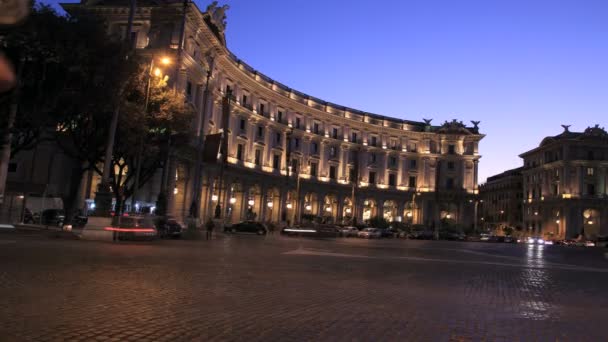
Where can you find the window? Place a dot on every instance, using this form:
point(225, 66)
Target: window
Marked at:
point(392, 161)
point(296, 143)
point(244, 100)
point(258, 157)
point(392, 179)
point(393, 144)
point(12, 167)
point(239, 151)
point(372, 177)
point(276, 161)
point(590, 189)
point(372, 157)
point(294, 165)
point(261, 108)
point(413, 147)
point(374, 141)
point(449, 184)
point(353, 137)
point(242, 124)
point(590, 155)
point(451, 149)
point(334, 133)
point(189, 89)
point(450, 165)
point(298, 121)
point(279, 116)
point(278, 138)
point(315, 128)
point(260, 132)
point(554, 189)
point(332, 151)
point(314, 148)
point(313, 169)
point(413, 164)
point(412, 182)
point(351, 174)
point(332, 172)
point(228, 89)
point(589, 171)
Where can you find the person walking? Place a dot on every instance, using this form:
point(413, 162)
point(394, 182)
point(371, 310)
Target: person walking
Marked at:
point(209, 225)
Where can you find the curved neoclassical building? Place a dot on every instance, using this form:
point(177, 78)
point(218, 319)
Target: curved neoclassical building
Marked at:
point(291, 155)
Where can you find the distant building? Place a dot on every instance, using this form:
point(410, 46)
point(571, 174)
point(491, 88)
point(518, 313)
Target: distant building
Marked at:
point(501, 201)
point(565, 185)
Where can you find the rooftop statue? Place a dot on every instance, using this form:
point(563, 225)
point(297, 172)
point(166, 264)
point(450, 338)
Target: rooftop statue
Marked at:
point(596, 131)
point(217, 15)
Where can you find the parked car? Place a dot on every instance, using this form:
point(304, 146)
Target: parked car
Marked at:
point(168, 227)
point(422, 235)
point(510, 239)
point(349, 231)
point(52, 217)
point(602, 241)
point(370, 233)
point(388, 233)
point(247, 227)
point(133, 228)
point(484, 237)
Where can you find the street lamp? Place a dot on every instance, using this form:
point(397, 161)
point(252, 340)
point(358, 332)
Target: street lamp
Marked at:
point(288, 134)
point(196, 198)
point(157, 72)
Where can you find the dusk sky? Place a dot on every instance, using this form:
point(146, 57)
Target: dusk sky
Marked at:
point(521, 67)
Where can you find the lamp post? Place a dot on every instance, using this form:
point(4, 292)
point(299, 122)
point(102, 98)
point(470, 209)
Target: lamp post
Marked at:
point(196, 198)
point(288, 134)
point(224, 149)
point(157, 73)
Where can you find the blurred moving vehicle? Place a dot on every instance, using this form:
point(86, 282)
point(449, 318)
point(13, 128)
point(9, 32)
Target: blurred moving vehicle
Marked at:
point(349, 231)
point(133, 228)
point(319, 231)
point(247, 227)
point(370, 233)
point(168, 227)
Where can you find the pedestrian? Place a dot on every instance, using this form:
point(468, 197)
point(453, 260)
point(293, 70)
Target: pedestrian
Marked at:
point(209, 225)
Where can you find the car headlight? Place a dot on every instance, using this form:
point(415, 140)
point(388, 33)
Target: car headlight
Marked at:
point(540, 241)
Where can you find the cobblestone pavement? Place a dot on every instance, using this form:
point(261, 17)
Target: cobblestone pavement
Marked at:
point(250, 288)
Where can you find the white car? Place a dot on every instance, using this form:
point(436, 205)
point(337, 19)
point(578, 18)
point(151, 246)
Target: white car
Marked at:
point(370, 233)
point(349, 231)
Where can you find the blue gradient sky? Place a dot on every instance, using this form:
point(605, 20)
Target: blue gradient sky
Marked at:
point(522, 67)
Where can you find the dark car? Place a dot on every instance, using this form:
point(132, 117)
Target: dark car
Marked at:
point(451, 236)
point(510, 239)
point(52, 217)
point(247, 227)
point(133, 228)
point(389, 233)
point(422, 235)
point(168, 227)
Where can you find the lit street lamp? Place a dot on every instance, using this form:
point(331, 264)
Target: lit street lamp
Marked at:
point(157, 72)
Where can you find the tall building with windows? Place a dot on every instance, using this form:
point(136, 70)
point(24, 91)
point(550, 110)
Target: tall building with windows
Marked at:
point(565, 185)
point(501, 201)
point(291, 155)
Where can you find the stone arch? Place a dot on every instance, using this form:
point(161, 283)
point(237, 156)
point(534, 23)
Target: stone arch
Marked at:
point(389, 210)
point(369, 209)
point(330, 208)
point(310, 206)
point(348, 210)
point(591, 223)
point(272, 205)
